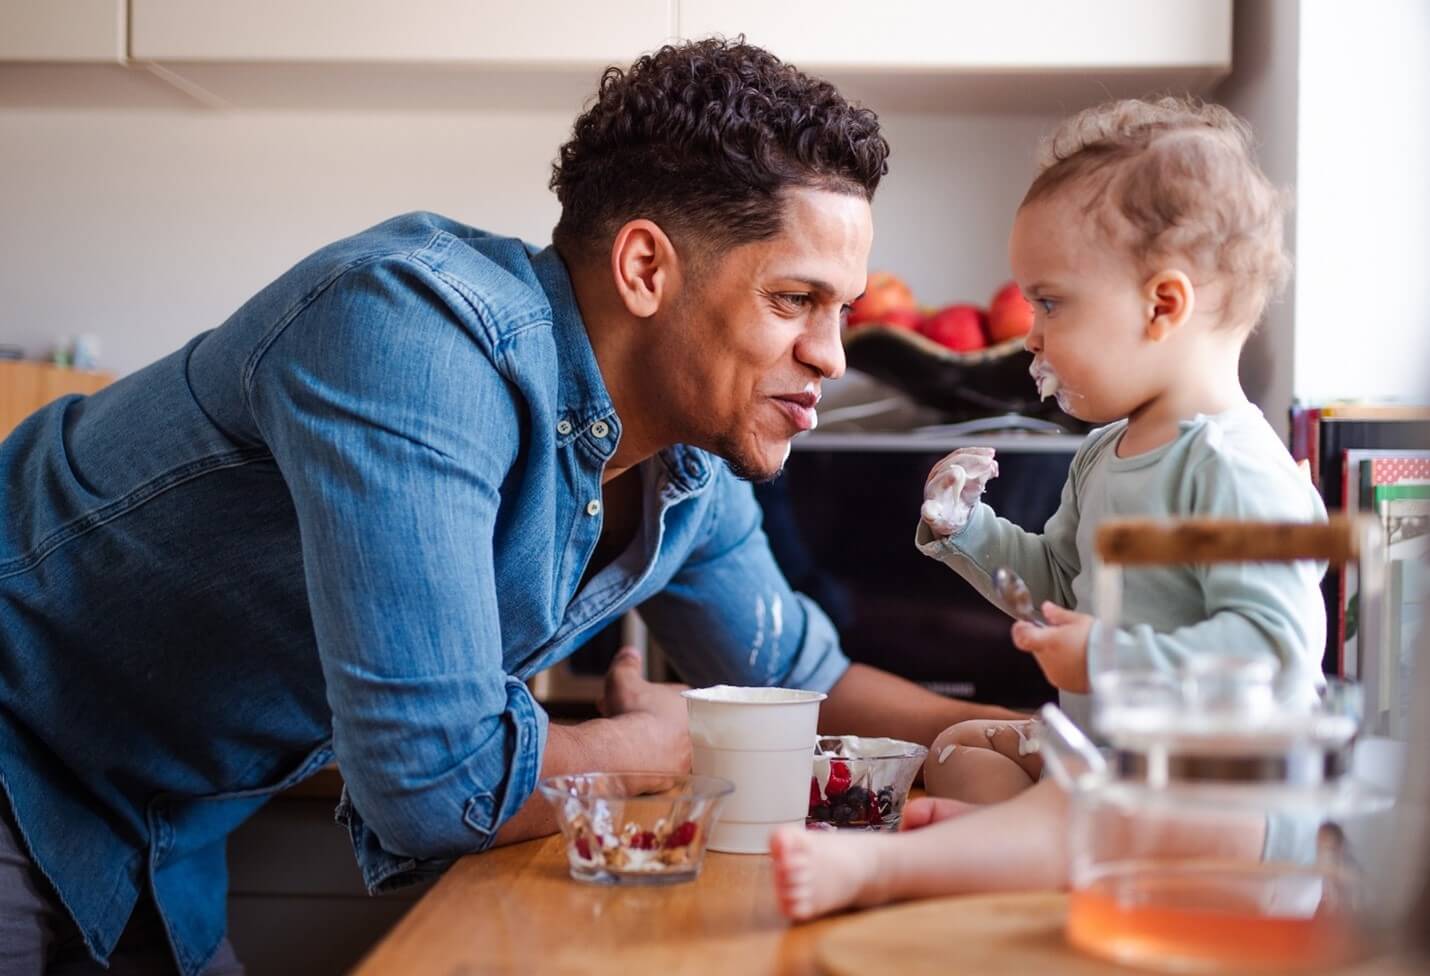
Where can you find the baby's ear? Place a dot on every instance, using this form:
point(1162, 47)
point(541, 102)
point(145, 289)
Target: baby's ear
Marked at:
point(1170, 299)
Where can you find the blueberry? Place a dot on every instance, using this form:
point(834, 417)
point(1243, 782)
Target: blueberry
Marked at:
point(842, 813)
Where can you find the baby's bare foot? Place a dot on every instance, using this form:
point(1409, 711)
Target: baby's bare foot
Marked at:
point(817, 873)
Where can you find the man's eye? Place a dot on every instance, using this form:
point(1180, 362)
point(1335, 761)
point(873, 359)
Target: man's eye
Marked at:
point(798, 299)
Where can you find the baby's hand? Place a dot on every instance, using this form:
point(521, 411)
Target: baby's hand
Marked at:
point(953, 487)
point(1060, 647)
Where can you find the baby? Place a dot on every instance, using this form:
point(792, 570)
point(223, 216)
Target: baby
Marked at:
point(1149, 245)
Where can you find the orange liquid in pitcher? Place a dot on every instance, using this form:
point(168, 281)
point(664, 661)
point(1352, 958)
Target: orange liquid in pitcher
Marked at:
point(1213, 917)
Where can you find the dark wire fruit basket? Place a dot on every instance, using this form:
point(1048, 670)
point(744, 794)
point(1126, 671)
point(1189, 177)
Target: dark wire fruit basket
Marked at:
point(965, 385)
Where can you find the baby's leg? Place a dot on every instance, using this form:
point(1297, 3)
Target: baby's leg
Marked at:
point(1014, 846)
point(982, 761)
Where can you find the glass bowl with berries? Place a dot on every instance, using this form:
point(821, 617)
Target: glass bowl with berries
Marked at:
point(861, 783)
point(635, 828)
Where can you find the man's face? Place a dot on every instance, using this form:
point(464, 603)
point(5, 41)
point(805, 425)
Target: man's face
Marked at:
point(754, 337)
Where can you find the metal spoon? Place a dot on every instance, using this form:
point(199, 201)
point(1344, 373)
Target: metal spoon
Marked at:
point(1015, 596)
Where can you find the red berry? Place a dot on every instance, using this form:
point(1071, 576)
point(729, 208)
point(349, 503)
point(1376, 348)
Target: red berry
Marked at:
point(583, 847)
point(839, 778)
point(814, 798)
point(644, 841)
point(681, 835)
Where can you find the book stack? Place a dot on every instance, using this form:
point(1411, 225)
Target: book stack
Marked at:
point(1375, 459)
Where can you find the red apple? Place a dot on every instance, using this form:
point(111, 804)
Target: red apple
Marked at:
point(885, 293)
point(959, 327)
point(903, 318)
point(898, 318)
point(1010, 315)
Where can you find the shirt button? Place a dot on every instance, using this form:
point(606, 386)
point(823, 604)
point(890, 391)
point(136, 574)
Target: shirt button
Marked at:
point(593, 508)
point(563, 427)
point(600, 428)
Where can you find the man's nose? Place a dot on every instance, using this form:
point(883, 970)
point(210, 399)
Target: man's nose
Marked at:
point(822, 349)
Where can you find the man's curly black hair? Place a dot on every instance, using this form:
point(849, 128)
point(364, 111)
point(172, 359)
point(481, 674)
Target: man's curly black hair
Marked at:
point(701, 138)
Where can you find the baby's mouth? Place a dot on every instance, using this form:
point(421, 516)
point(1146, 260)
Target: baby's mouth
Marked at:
point(1047, 381)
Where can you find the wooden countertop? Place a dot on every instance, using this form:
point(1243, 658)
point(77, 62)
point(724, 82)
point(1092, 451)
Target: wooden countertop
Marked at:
point(516, 910)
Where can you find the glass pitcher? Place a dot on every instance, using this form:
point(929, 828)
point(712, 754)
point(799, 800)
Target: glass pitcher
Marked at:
point(1208, 825)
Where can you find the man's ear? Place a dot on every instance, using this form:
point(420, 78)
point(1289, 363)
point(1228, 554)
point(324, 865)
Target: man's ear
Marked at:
point(644, 267)
point(1170, 299)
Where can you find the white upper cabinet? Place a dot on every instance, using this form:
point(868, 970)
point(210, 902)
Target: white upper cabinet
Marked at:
point(541, 33)
point(936, 55)
point(975, 35)
point(62, 30)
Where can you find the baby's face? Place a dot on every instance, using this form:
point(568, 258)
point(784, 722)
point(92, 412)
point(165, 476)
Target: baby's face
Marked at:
point(1091, 316)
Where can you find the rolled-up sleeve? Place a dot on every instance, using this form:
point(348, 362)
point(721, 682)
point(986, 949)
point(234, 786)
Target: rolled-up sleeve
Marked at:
point(394, 429)
point(729, 616)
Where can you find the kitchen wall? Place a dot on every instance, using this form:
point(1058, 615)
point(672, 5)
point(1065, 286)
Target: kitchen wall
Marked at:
point(146, 226)
point(1264, 89)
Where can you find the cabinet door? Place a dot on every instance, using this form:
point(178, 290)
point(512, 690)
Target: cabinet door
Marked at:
point(974, 35)
point(543, 32)
point(26, 387)
point(62, 30)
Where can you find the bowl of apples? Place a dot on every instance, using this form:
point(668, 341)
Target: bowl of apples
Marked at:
point(961, 359)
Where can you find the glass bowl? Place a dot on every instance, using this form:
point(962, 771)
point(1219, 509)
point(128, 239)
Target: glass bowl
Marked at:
point(635, 828)
point(861, 783)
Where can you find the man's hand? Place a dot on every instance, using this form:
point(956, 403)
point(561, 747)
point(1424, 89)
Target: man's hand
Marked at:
point(661, 712)
point(953, 488)
point(1060, 647)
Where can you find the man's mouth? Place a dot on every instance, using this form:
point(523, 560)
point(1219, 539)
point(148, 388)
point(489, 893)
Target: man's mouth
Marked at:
point(799, 407)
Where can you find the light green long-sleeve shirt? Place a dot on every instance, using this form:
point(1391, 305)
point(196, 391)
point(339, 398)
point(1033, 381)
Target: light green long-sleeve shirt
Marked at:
point(1230, 465)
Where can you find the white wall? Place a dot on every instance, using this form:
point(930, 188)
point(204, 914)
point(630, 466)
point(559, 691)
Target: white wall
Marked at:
point(1263, 90)
point(1363, 228)
point(146, 226)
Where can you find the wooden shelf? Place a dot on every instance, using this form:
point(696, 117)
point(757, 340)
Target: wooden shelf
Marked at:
point(26, 387)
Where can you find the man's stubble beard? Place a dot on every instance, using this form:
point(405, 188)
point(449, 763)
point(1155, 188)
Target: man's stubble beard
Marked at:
point(724, 444)
point(742, 466)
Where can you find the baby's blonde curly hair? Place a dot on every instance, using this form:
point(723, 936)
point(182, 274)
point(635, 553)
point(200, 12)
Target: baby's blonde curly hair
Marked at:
point(1181, 176)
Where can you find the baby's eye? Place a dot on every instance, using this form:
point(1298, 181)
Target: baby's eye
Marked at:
point(1047, 304)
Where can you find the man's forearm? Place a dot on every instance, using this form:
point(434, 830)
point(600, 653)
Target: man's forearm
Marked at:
point(600, 744)
point(867, 701)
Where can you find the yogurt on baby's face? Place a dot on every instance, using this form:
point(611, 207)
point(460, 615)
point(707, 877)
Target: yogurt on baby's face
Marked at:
point(1045, 378)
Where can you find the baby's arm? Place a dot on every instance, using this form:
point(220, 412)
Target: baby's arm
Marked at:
point(1047, 562)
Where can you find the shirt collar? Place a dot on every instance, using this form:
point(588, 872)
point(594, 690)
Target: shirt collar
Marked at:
point(581, 392)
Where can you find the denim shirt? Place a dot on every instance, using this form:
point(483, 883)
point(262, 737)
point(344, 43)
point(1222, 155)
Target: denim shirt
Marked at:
point(349, 522)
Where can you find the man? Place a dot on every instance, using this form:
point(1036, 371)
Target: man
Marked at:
point(421, 466)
